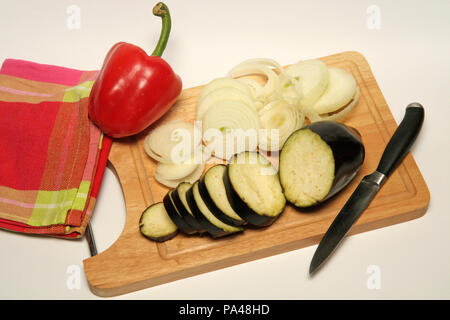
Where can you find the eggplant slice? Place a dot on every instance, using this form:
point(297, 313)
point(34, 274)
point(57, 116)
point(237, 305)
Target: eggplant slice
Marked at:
point(176, 216)
point(213, 192)
point(212, 225)
point(179, 200)
point(254, 189)
point(155, 224)
point(318, 161)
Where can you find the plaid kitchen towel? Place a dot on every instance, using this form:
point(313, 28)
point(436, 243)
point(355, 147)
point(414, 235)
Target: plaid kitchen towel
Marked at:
point(52, 157)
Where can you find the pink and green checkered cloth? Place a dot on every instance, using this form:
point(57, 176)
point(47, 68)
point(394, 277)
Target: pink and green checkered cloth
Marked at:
point(52, 157)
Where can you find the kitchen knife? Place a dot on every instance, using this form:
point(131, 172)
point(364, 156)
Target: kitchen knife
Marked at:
point(396, 149)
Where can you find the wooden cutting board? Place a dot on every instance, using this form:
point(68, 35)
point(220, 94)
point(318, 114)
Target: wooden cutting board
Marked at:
point(133, 262)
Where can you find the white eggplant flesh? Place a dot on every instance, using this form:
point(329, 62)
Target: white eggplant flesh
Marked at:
point(155, 223)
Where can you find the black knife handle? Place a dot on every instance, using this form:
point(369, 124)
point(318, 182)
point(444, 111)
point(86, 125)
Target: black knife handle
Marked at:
point(402, 139)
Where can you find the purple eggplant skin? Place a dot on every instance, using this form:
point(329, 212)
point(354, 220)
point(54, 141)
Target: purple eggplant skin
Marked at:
point(175, 216)
point(348, 151)
point(242, 208)
point(190, 219)
point(212, 206)
point(211, 229)
point(157, 239)
point(161, 239)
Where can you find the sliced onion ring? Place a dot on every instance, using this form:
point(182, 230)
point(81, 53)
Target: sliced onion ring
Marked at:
point(153, 155)
point(272, 85)
point(173, 141)
point(175, 171)
point(265, 62)
point(194, 176)
point(255, 87)
point(226, 119)
point(221, 94)
point(224, 82)
point(282, 116)
point(313, 116)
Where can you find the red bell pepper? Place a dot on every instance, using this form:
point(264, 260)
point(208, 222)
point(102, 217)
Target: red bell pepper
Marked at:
point(133, 90)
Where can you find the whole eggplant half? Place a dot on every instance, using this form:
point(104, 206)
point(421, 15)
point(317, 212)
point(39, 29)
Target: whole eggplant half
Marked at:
point(318, 161)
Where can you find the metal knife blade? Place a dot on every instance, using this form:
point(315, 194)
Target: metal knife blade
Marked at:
point(396, 149)
point(351, 211)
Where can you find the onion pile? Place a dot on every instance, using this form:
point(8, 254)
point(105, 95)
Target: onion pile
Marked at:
point(307, 89)
point(283, 100)
point(176, 146)
point(259, 104)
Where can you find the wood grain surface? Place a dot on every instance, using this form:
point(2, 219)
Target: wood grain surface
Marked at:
point(133, 262)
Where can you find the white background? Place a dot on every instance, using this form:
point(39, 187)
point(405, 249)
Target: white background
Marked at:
point(409, 56)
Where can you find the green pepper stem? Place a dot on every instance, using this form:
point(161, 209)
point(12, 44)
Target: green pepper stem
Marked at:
point(161, 10)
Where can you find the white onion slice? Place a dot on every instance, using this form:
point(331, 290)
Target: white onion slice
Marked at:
point(153, 155)
point(255, 87)
point(291, 92)
point(175, 171)
point(272, 85)
point(220, 94)
point(230, 127)
point(289, 89)
point(172, 142)
point(280, 119)
point(229, 114)
point(284, 85)
point(194, 176)
point(310, 78)
point(313, 116)
point(225, 82)
point(339, 92)
point(265, 62)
